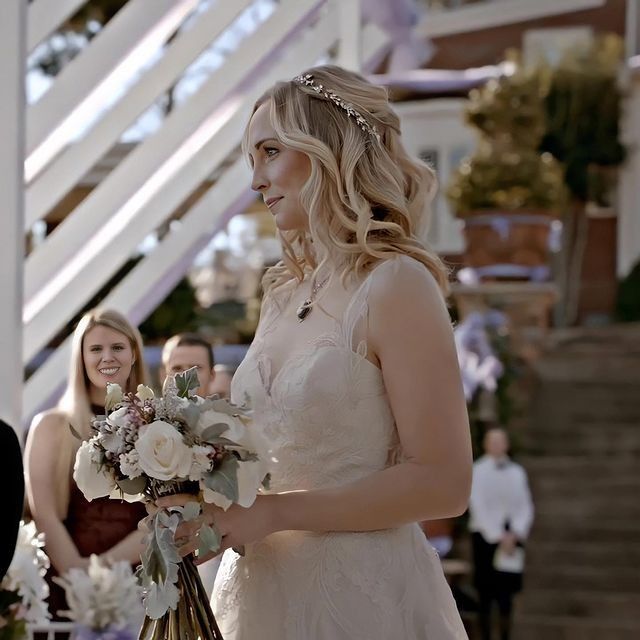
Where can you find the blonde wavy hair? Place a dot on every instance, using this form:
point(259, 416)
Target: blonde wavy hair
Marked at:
point(367, 199)
point(75, 404)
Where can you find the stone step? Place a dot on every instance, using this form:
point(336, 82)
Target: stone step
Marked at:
point(615, 531)
point(587, 554)
point(583, 467)
point(609, 487)
point(588, 368)
point(577, 578)
point(587, 506)
point(583, 412)
point(580, 604)
point(610, 444)
point(533, 627)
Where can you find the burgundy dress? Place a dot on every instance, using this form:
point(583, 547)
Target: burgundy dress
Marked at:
point(94, 527)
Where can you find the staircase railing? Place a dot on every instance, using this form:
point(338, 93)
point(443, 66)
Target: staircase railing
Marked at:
point(196, 141)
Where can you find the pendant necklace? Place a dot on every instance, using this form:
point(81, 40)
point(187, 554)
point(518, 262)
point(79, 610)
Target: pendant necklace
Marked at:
point(307, 306)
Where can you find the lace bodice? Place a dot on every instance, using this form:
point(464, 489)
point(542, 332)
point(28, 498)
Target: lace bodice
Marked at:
point(325, 410)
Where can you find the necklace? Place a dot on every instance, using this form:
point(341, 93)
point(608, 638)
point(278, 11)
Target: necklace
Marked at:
point(306, 307)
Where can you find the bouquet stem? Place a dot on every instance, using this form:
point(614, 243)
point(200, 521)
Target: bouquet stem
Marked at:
point(193, 619)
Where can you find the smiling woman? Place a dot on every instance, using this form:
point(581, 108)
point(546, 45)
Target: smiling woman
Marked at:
point(105, 348)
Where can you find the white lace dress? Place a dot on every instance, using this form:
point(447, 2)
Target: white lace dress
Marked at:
point(328, 420)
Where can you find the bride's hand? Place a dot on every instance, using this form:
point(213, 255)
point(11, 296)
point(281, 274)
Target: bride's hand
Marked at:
point(237, 525)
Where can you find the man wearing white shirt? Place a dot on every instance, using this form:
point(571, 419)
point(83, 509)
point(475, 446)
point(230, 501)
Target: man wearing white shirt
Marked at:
point(501, 514)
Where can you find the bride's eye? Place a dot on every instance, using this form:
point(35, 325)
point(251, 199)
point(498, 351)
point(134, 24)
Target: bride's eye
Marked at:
point(270, 152)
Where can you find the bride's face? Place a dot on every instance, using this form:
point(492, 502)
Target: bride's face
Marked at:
point(279, 172)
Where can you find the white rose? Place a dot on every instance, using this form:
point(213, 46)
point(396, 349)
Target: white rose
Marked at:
point(117, 418)
point(163, 453)
point(93, 482)
point(144, 393)
point(114, 395)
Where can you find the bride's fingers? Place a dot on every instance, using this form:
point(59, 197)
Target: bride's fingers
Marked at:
point(189, 547)
point(202, 559)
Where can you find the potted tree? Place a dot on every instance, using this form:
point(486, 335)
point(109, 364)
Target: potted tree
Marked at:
point(583, 107)
point(507, 192)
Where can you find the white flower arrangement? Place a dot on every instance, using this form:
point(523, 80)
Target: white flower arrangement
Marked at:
point(146, 447)
point(103, 600)
point(23, 590)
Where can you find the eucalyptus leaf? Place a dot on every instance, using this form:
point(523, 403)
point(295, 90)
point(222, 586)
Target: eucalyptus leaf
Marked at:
point(224, 406)
point(190, 415)
point(132, 486)
point(214, 431)
point(224, 442)
point(187, 381)
point(190, 511)
point(160, 558)
point(209, 538)
point(224, 479)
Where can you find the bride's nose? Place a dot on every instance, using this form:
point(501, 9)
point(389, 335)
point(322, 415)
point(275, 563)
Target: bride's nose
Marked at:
point(259, 181)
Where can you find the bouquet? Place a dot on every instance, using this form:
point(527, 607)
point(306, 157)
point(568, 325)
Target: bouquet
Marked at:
point(104, 602)
point(23, 590)
point(147, 447)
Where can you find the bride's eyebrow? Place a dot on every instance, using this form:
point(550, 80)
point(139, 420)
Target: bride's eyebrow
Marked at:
point(261, 142)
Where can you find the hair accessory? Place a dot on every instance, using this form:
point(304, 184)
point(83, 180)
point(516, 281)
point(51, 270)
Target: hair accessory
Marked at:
point(307, 80)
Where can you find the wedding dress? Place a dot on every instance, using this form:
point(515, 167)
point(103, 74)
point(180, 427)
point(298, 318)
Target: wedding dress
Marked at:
point(327, 417)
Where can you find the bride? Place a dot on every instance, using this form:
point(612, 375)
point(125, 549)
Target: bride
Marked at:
point(354, 379)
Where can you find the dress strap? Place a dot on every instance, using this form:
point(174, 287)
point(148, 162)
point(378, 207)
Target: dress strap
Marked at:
point(355, 321)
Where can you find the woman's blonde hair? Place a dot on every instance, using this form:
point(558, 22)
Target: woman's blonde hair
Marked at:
point(75, 404)
point(367, 199)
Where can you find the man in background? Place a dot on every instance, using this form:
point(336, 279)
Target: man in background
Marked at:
point(181, 352)
point(501, 515)
point(186, 350)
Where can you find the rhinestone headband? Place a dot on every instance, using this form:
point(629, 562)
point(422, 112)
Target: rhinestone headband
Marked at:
point(307, 80)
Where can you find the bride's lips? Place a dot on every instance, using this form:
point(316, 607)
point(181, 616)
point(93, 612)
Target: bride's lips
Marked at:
point(271, 201)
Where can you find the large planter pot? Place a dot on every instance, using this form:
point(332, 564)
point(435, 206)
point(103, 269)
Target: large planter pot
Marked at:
point(509, 245)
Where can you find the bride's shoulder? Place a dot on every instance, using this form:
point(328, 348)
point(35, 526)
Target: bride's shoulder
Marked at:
point(399, 279)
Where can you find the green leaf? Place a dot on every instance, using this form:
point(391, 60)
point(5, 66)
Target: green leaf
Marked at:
point(223, 442)
point(214, 431)
point(132, 486)
point(160, 558)
point(209, 538)
point(224, 479)
point(190, 415)
point(187, 381)
point(191, 511)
